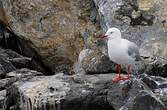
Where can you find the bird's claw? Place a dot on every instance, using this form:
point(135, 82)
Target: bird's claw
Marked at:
point(119, 78)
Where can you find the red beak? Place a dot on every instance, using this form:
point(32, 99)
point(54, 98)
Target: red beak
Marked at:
point(102, 37)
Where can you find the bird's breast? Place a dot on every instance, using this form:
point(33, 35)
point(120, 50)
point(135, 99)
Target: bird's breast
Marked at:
point(118, 54)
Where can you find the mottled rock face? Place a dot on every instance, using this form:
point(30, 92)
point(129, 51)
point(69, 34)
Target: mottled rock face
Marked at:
point(154, 52)
point(137, 19)
point(55, 28)
point(156, 46)
point(95, 62)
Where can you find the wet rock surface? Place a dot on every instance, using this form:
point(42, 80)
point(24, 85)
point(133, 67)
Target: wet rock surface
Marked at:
point(86, 92)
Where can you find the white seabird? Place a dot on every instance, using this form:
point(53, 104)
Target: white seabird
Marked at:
point(121, 51)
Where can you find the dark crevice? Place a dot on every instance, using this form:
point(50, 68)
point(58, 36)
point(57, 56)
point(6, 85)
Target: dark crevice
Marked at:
point(9, 40)
point(2, 88)
point(93, 103)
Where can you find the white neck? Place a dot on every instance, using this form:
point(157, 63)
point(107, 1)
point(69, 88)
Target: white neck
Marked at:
point(115, 36)
point(114, 40)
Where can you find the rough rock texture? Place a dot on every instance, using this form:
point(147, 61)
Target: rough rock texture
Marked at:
point(94, 61)
point(55, 29)
point(14, 76)
point(10, 61)
point(9, 79)
point(147, 100)
point(2, 99)
point(132, 17)
point(142, 22)
point(155, 53)
point(86, 92)
point(5, 65)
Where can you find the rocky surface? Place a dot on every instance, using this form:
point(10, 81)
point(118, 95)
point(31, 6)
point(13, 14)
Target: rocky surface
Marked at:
point(9, 79)
point(10, 62)
point(87, 92)
point(156, 56)
point(94, 62)
point(52, 33)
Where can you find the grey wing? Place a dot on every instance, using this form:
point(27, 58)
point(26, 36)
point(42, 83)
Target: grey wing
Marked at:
point(133, 51)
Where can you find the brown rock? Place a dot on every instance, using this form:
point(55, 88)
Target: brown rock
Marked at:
point(53, 27)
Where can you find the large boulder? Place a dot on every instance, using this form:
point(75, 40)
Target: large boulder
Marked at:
point(56, 30)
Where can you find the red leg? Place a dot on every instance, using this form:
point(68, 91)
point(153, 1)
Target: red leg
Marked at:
point(129, 71)
point(119, 77)
point(119, 70)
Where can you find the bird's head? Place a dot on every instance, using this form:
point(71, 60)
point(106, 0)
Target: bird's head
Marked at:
point(112, 33)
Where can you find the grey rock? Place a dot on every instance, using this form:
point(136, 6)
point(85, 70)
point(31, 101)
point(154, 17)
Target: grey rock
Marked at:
point(7, 65)
point(93, 61)
point(9, 53)
point(10, 60)
point(147, 101)
point(158, 85)
point(2, 99)
point(154, 82)
point(83, 92)
point(58, 92)
point(21, 62)
point(15, 76)
point(2, 71)
point(156, 56)
point(121, 96)
point(4, 83)
point(24, 72)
